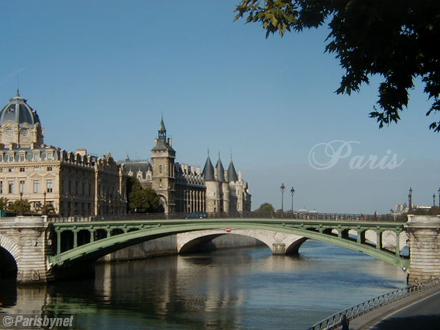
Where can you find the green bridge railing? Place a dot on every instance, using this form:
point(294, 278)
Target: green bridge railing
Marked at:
point(235, 215)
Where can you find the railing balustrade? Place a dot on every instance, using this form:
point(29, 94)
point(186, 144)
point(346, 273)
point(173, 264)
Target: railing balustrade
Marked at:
point(334, 321)
point(224, 215)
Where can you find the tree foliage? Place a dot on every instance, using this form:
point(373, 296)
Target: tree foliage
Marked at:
point(394, 39)
point(142, 200)
point(3, 203)
point(15, 207)
point(266, 207)
point(435, 210)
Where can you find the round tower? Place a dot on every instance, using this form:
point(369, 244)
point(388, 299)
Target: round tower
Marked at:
point(212, 187)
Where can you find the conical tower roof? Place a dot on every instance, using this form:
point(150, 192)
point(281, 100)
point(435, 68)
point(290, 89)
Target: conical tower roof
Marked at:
point(208, 171)
point(220, 171)
point(232, 173)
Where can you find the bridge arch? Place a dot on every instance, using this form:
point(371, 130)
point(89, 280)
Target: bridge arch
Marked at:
point(9, 257)
point(272, 239)
point(10, 246)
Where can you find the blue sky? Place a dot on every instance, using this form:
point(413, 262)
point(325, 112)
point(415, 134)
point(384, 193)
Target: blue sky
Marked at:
point(101, 73)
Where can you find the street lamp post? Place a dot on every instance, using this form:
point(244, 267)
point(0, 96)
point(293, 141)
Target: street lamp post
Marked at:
point(410, 200)
point(283, 187)
point(72, 205)
point(44, 204)
point(433, 200)
point(21, 204)
point(292, 191)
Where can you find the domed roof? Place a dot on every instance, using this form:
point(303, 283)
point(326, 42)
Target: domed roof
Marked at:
point(19, 112)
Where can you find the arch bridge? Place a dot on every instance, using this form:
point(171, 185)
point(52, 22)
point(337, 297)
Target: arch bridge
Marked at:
point(77, 241)
point(43, 248)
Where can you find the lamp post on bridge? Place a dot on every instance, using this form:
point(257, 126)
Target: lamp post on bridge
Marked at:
point(433, 200)
point(292, 191)
point(44, 204)
point(283, 187)
point(20, 212)
point(410, 200)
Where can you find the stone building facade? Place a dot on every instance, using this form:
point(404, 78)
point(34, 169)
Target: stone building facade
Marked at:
point(70, 183)
point(187, 188)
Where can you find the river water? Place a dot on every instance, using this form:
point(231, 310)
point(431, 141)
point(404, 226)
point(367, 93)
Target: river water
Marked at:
point(226, 289)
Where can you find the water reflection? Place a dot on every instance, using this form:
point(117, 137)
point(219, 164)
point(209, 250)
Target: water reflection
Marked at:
point(229, 289)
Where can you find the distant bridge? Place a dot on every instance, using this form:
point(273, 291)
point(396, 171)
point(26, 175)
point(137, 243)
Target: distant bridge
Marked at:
point(66, 242)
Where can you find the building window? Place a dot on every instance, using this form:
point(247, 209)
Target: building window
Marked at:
point(49, 186)
point(1, 187)
point(36, 169)
point(21, 157)
point(160, 169)
point(36, 186)
point(22, 169)
point(11, 187)
point(11, 169)
point(49, 168)
point(11, 157)
point(21, 186)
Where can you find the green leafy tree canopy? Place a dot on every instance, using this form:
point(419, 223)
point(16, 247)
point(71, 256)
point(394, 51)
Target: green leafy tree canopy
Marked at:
point(394, 39)
point(266, 207)
point(142, 200)
point(3, 203)
point(15, 207)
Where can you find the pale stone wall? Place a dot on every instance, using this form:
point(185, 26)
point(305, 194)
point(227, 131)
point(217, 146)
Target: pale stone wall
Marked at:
point(26, 239)
point(424, 242)
point(212, 196)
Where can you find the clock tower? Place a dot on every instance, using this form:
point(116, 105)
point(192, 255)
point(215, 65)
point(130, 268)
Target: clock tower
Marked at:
point(163, 156)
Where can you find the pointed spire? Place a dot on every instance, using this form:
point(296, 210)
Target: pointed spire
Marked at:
point(162, 133)
point(208, 171)
point(220, 170)
point(232, 173)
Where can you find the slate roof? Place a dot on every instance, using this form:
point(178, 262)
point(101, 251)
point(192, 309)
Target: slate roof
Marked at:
point(220, 171)
point(18, 111)
point(232, 173)
point(208, 171)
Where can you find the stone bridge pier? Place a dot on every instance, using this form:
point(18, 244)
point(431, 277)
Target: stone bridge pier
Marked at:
point(424, 244)
point(279, 243)
point(26, 239)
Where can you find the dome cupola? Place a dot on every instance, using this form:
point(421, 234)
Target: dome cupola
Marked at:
point(20, 126)
point(19, 112)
